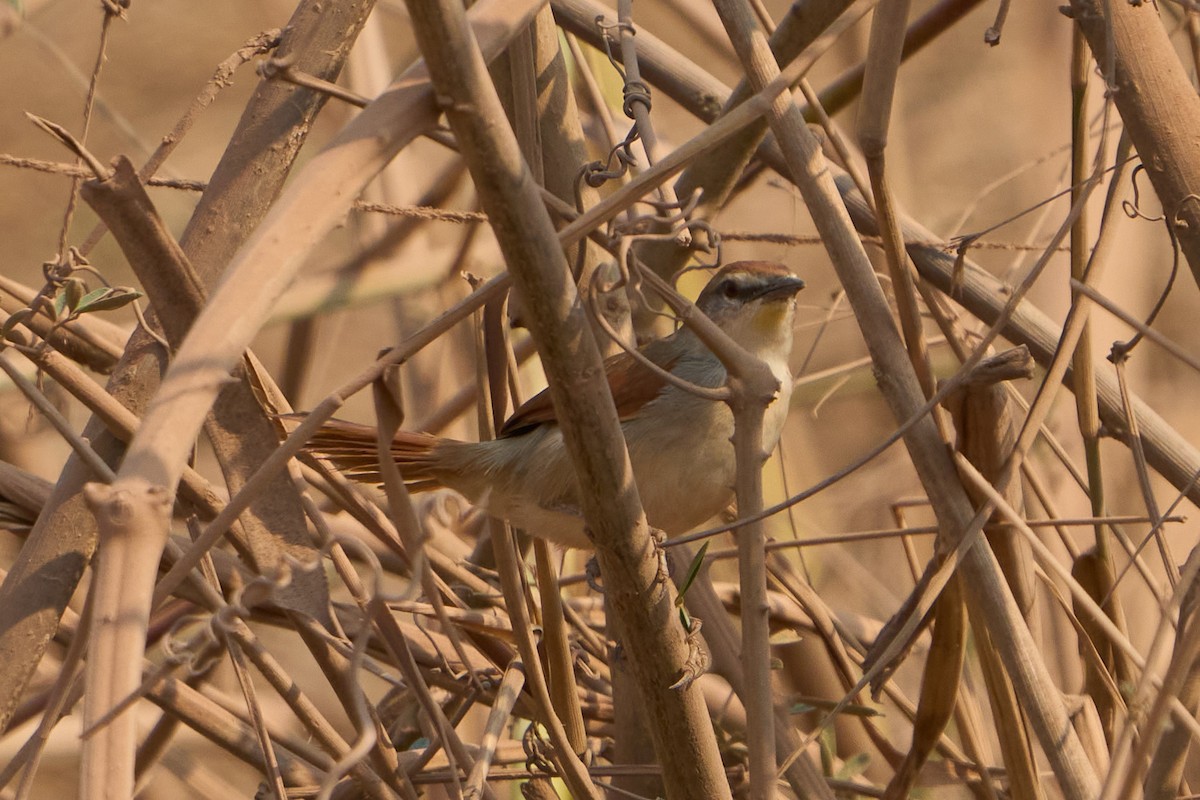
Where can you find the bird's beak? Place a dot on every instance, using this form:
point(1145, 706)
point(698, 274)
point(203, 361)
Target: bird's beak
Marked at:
point(782, 288)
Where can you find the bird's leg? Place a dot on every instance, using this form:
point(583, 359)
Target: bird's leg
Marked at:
point(659, 538)
point(697, 661)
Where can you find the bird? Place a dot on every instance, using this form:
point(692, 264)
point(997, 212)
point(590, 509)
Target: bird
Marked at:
point(680, 444)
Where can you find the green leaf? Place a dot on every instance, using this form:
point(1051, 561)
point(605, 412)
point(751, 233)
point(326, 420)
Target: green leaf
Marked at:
point(73, 288)
point(801, 704)
point(854, 766)
point(107, 299)
point(693, 571)
point(60, 304)
point(685, 619)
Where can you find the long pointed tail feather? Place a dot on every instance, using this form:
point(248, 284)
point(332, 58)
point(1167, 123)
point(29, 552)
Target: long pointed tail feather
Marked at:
point(350, 447)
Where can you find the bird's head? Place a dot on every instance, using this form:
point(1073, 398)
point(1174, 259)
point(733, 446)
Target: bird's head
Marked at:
point(754, 302)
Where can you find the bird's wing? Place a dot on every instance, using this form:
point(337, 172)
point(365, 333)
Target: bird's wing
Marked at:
point(632, 384)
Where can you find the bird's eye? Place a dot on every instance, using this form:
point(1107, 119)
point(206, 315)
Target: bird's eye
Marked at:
point(729, 289)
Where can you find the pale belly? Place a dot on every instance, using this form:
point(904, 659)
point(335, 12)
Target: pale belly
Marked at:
point(685, 474)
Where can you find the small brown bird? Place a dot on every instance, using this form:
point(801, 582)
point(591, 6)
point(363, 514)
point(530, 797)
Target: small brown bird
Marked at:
point(679, 444)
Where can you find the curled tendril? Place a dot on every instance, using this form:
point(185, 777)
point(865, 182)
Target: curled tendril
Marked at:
point(1132, 208)
point(606, 29)
point(620, 158)
point(635, 92)
point(57, 271)
point(1121, 350)
point(535, 746)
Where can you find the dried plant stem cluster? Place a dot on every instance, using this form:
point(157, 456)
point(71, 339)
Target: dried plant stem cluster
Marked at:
point(342, 640)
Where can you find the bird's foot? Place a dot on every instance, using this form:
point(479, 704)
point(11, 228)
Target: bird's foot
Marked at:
point(659, 538)
point(591, 572)
point(697, 661)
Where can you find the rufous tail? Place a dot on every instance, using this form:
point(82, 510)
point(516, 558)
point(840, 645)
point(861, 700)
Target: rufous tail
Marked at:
point(350, 447)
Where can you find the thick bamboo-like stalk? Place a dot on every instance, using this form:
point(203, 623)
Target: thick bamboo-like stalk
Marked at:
point(1157, 102)
point(124, 512)
point(547, 126)
point(651, 634)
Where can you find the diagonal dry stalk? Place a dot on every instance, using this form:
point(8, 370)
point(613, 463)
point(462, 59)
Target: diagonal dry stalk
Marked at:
point(533, 85)
point(45, 576)
point(987, 592)
point(160, 449)
point(642, 600)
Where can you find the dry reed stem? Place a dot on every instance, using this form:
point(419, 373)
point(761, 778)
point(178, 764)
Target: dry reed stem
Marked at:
point(1166, 698)
point(178, 293)
point(274, 126)
point(760, 68)
point(984, 418)
point(232, 734)
point(1081, 364)
point(1165, 772)
point(222, 77)
point(637, 99)
point(1080, 594)
point(939, 688)
point(40, 402)
point(246, 684)
point(126, 512)
point(390, 415)
point(749, 403)
point(882, 67)
point(936, 21)
point(499, 717)
point(118, 420)
point(510, 572)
